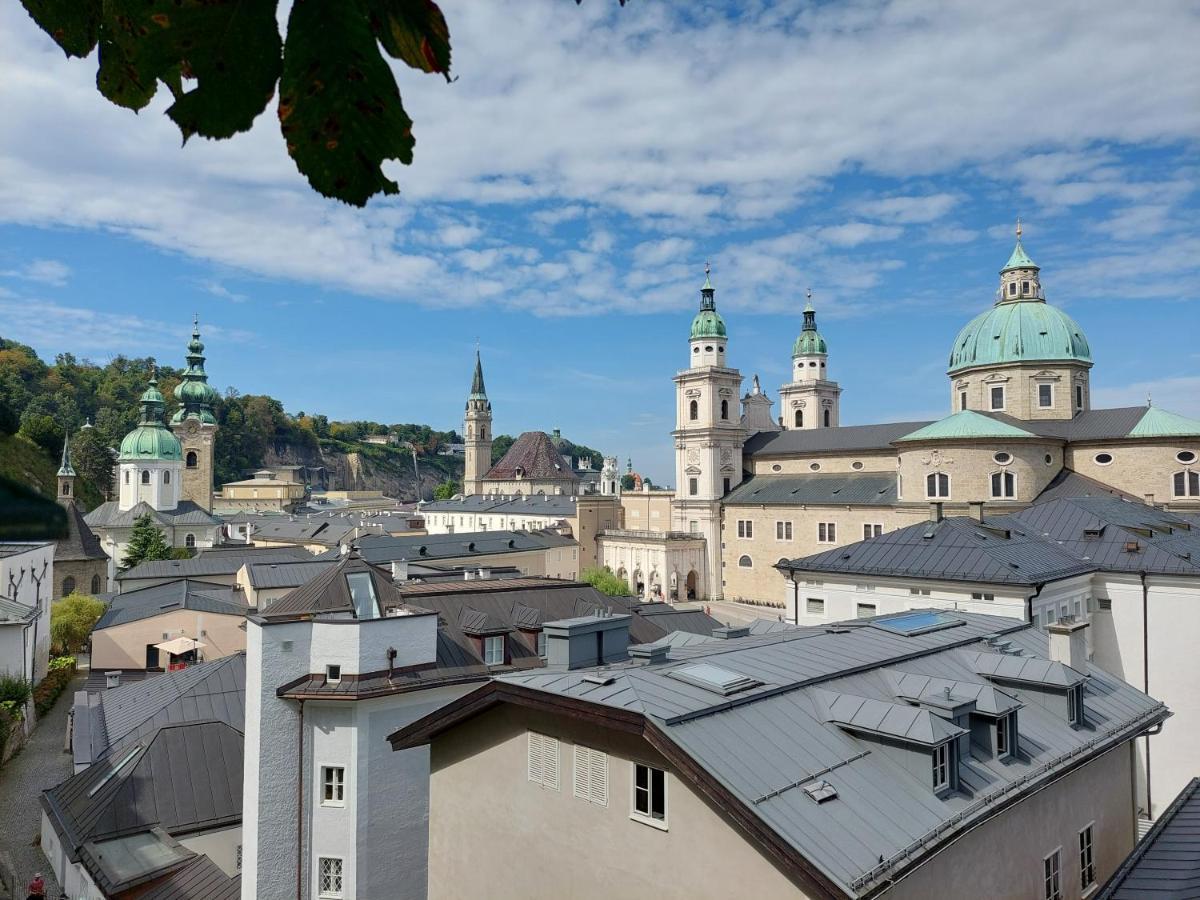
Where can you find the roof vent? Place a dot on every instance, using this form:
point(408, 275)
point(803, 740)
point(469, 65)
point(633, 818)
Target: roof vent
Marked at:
point(600, 678)
point(112, 680)
point(651, 653)
point(731, 631)
point(820, 791)
point(1132, 547)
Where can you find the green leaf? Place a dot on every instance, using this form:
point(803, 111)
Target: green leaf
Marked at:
point(230, 48)
point(339, 108)
point(73, 24)
point(413, 31)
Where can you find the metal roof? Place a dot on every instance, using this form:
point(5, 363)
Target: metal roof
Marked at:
point(763, 743)
point(966, 423)
point(226, 562)
point(1166, 862)
point(284, 573)
point(561, 505)
point(896, 720)
point(146, 603)
point(818, 440)
point(867, 488)
point(381, 548)
point(80, 542)
point(14, 613)
point(988, 699)
point(200, 879)
point(110, 515)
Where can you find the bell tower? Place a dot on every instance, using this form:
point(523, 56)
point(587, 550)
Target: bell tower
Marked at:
point(708, 436)
point(66, 473)
point(195, 425)
point(477, 433)
point(811, 400)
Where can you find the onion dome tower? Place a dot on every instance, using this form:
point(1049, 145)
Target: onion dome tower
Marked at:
point(811, 400)
point(150, 458)
point(195, 424)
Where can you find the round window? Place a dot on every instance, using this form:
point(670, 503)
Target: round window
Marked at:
point(1049, 459)
point(777, 468)
point(856, 465)
point(816, 467)
point(1002, 458)
point(695, 349)
point(708, 349)
point(1103, 459)
point(1186, 456)
point(720, 349)
point(812, 365)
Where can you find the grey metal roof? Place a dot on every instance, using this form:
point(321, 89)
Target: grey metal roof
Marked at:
point(200, 879)
point(897, 720)
point(14, 613)
point(820, 440)
point(868, 488)
point(146, 603)
point(378, 548)
point(80, 542)
point(327, 532)
point(182, 777)
point(765, 742)
point(329, 591)
point(1089, 425)
point(1165, 863)
point(12, 549)
point(988, 699)
point(1028, 670)
point(284, 573)
point(558, 505)
point(225, 562)
point(110, 515)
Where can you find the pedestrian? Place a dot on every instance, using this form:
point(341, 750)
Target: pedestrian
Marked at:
point(37, 887)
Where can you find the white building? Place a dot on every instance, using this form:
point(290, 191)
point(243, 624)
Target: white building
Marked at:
point(26, 587)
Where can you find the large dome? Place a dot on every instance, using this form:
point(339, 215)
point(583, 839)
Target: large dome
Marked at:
point(708, 323)
point(1019, 331)
point(150, 441)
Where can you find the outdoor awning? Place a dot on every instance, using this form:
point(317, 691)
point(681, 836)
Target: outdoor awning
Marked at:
point(179, 646)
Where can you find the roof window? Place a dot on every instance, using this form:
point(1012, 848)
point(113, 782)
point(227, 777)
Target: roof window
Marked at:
point(918, 622)
point(714, 678)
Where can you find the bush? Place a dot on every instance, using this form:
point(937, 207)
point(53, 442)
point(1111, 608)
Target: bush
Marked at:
point(7, 721)
point(14, 690)
point(605, 581)
point(50, 687)
point(71, 622)
point(63, 662)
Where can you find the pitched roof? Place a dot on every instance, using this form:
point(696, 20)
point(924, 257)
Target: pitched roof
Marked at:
point(12, 612)
point(110, 515)
point(819, 440)
point(533, 454)
point(384, 548)
point(200, 879)
point(285, 573)
point(1160, 423)
point(146, 603)
point(208, 563)
point(966, 423)
point(867, 488)
point(558, 505)
point(1166, 862)
point(883, 819)
point(81, 542)
point(329, 591)
point(1069, 483)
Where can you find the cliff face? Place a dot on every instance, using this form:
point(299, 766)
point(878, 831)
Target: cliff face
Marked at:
point(367, 468)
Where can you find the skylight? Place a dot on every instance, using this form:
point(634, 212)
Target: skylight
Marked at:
point(918, 622)
point(714, 678)
point(362, 592)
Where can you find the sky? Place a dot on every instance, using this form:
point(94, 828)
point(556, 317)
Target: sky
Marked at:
point(570, 183)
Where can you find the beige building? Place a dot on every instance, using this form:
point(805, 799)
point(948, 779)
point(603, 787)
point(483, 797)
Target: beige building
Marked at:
point(874, 761)
point(265, 492)
point(1021, 421)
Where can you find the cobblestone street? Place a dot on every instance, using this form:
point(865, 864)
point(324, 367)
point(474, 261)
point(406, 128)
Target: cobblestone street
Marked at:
point(42, 764)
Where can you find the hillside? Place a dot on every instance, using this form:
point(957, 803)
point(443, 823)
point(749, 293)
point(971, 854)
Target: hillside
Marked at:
point(26, 463)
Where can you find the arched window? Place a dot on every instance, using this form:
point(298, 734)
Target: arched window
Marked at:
point(826, 418)
point(166, 476)
point(693, 410)
point(189, 540)
point(745, 562)
point(937, 485)
point(1004, 485)
point(145, 476)
point(724, 409)
point(192, 460)
point(127, 477)
point(1186, 484)
point(95, 584)
point(799, 418)
point(66, 488)
point(68, 585)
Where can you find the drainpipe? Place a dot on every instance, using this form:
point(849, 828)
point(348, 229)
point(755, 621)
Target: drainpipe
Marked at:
point(1146, 673)
point(300, 805)
point(1029, 602)
point(795, 596)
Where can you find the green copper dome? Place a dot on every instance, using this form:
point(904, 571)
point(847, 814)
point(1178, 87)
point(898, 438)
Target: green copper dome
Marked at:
point(810, 340)
point(1019, 331)
point(195, 395)
point(151, 440)
point(708, 322)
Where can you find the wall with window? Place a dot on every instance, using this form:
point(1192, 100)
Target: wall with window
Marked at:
point(1004, 856)
point(1143, 467)
point(830, 462)
point(530, 839)
point(1024, 390)
point(124, 646)
point(970, 467)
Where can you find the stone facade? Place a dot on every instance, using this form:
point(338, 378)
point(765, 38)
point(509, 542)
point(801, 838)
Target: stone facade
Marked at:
point(88, 576)
point(1144, 468)
point(197, 440)
point(1023, 389)
point(971, 465)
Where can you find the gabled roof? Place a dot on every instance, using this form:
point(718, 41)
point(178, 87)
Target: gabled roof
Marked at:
point(146, 603)
point(867, 488)
point(384, 548)
point(906, 723)
point(208, 563)
point(1165, 864)
point(535, 455)
point(820, 440)
point(12, 612)
point(988, 699)
point(81, 542)
point(966, 423)
point(1160, 423)
point(181, 778)
point(329, 591)
point(1023, 669)
point(110, 515)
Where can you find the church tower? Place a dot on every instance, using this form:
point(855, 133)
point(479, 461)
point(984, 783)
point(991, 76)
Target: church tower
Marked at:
point(477, 433)
point(150, 458)
point(811, 399)
point(708, 436)
point(66, 473)
point(195, 425)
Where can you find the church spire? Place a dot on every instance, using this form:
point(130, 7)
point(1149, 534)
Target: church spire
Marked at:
point(195, 395)
point(478, 391)
point(707, 290)
point(1019, 258)
point(66, 472)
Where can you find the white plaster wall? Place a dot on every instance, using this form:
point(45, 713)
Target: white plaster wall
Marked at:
point(220, 845)
point(158, 494)
point(28, 578)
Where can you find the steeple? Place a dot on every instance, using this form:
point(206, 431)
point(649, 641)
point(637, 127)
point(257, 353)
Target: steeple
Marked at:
point(195, 395)
point(478, 391)
point(477, 432)
point(66, 472)
point(1019, 279)
point(708, 335)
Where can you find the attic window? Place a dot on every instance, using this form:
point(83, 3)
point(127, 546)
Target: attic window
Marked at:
point(821, 791)
point(362, 594)
point(333, 674)
point(1093, 533)
point(714, 678)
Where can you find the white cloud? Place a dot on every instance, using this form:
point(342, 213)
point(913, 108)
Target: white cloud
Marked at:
point(851, 234)
point(669, 250)
point(44, 271)
point(1178, 394)
point(908, 210)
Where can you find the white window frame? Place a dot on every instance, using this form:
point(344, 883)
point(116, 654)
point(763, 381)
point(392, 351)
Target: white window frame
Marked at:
point(591, 775)
point(872, 530)
point(331, 892)
point(1050, 387)
point(992, 407)
point(489, 644)
point(783, 530)
point(937, 483)
point(647, 818)
point(333, 781)
point(1190, 477)
point(1052, 875)
point(827, 532)
point(941, 767)
point(333, 673)
point(1007, 483)
point(810, 610)
point(1087, 856)
point(540, 749)
point(745, 561)
point(745, 529)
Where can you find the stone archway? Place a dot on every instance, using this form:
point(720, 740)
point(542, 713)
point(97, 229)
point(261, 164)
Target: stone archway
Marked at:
point(673, 586)
point(691, 586)
point(654, 588)
point(638, 583)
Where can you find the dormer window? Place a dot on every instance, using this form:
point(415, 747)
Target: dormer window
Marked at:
point(943, 755)
point(1024, 288)
point(1075, 705)
point(1005, 736)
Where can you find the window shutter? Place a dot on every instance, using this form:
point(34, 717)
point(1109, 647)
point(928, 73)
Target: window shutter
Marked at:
point(582, 767)
point(598, 778)
point(550, 762)
point(535, 757)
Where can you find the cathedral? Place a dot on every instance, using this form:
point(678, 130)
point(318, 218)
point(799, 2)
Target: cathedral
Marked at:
point(166, 472)
point(754, 489)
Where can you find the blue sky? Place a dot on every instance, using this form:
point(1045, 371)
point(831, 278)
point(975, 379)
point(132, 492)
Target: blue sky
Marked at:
point(569, 185)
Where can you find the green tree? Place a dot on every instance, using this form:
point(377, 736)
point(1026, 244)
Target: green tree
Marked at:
point(43, 431)
point(605, 581)
point(91, 459)
point(446, 490)
point(501, 445)
point(146, 543)
point(71, 621)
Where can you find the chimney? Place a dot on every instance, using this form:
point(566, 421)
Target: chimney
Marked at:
point(112, 680)
point(976, 510)
point(1068, 643)
point(400, 570)
point(484, 573)
point(936, 511)
point(725, 632)
point(587, 640)
point(468, 575)
point(651, 653)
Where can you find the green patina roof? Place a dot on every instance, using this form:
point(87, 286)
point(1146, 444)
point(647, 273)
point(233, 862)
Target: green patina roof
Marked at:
point(66, 470)
point(151, 440)
point(810, 340)
point(708, 323)
point(966, 424)
point(1026, 330)
point(1019, 259)
point(1160, 423)
point(195, 395)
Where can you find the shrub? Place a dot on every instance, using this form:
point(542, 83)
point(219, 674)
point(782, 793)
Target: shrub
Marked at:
point(50, 687)
point(15, 690)
point(605, 581)
point(63, 662)
point(72, 619)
